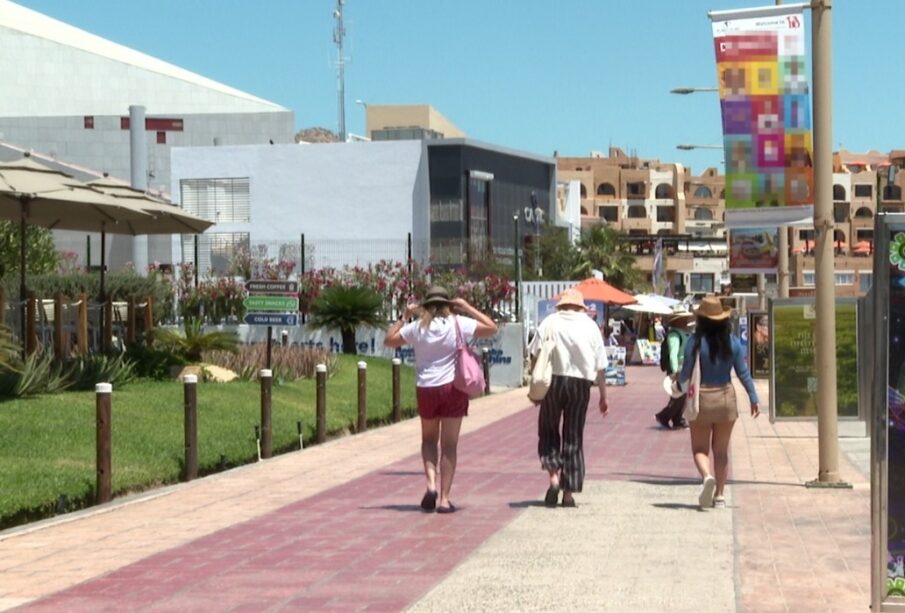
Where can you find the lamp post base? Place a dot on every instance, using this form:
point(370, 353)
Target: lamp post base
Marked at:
point(834, 485)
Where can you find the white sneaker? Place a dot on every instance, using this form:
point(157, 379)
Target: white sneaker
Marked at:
point(705, 499)
point(719, 502)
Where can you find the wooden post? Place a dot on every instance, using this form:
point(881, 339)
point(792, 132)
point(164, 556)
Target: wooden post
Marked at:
point(190, 394)
point(58, 344)
point(107, 325)
point(397, 405)
point(266, 377)
point(83, 324)
point(321, 424)
point(31, 335)
point(2, 307)
point(149, 320)
point(362, 396)
point(131, 319)
point(103, 393)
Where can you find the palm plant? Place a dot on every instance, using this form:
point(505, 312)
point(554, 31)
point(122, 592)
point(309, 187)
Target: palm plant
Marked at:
point(347, 309)
point(194, 341)
point(602, 248)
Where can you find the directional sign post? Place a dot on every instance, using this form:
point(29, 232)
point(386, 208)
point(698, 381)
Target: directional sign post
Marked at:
point(271, 303)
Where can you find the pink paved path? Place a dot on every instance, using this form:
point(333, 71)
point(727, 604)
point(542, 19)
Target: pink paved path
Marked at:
point(366, 545)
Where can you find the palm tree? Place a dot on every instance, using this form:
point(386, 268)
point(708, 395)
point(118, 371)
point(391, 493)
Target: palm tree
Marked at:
point(195, 342)
point(602, 248)
point(346, 309)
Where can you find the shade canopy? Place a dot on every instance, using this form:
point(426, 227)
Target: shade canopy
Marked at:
point(651, 303)
point(597, 289)
point(163, 217)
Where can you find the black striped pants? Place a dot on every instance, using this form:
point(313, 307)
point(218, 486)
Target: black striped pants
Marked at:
point(566, 400)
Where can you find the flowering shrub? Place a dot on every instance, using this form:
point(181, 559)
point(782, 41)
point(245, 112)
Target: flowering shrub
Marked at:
point(68, 263)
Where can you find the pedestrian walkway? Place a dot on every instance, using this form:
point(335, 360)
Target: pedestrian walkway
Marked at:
point(338, 527)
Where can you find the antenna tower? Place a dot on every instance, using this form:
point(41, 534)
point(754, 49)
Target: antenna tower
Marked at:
point(339, 33)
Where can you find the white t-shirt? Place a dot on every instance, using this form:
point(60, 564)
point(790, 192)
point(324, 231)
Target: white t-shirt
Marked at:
point(579, 345)
point(435, 348)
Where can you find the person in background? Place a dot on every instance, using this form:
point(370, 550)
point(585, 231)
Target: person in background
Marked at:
point(680, 324)
point(720, 353)
point(440, 405)
point(659, 330)
point(579, 359)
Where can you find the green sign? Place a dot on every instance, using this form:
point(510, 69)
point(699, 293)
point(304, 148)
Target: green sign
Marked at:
point(271, 303)
point(794, 360)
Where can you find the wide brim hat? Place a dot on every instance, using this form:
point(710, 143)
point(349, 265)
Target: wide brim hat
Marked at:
point(680, 312)
point(711, 308)
point(571, 297)
point(436, 295)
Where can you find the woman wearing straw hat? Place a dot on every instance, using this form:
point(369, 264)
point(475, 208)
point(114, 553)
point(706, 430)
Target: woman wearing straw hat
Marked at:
point(579, 359)
point(680, 323)
point(440, 405)
point(719, 353)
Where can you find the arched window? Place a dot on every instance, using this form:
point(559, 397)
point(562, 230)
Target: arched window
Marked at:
point(864, 213)
point(702, 214)
point(703, 192)
point(584, 191)
point(584, 211)
point(664, 190)
point(892, 192)
point(722, 194)
point(838, 192)
point(606, 189)
point(637, 212)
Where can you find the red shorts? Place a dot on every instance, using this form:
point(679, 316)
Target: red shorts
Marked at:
point(441, 401)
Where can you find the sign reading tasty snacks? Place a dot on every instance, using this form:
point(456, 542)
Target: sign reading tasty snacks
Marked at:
point(794, 385)
point(271, 303)
point(765, 106)
point(753, 250)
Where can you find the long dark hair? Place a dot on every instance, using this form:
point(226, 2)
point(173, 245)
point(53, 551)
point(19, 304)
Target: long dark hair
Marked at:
point(717, 335)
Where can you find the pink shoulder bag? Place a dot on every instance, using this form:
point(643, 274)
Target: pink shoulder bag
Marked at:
point(469, 373)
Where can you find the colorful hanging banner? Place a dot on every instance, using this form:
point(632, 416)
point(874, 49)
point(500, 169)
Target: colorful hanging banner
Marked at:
point(766, 111)
point(753, 250)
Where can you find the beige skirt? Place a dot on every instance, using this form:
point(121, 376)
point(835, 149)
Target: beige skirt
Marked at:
point(717, 404)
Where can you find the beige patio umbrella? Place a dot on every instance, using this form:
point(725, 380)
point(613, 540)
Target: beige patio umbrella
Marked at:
point(37, 195)
point(164, 218)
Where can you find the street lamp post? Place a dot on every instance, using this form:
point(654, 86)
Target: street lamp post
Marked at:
point(364, 105)
point(518, 270)
point(537, 213)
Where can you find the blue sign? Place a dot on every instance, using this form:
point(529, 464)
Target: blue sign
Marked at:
point(272, 319)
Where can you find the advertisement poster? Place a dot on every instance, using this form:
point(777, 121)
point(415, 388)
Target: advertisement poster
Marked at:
point(759, 344)
point(596, 309)
point(896, 407)
point(753, 250)
point(615, 372)
point(647, 352)
point(765, 104)
point(795, 369)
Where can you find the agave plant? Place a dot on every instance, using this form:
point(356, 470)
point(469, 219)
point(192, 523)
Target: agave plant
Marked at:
point(194, 341)
point(347, 309)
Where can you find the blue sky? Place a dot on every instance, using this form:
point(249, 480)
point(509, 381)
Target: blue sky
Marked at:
point(537, 75)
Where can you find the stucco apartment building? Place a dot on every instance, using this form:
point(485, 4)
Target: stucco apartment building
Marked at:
point(647, 199)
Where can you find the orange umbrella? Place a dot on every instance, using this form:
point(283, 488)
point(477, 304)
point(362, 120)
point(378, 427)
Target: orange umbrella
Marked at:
point(862, 245)
point(596, 289)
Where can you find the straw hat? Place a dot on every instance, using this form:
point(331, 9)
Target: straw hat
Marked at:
point(571, 297)
point(711, 308)
point(436, 295)
point(680, 312)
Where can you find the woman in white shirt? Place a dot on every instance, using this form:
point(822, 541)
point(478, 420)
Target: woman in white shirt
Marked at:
point(440, 405)
point(579, 360)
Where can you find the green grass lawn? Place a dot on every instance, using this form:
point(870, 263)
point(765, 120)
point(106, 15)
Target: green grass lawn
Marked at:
point(47, 444)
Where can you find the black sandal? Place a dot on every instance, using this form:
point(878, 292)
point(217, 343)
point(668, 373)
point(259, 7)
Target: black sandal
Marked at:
point(429, 501)
point(552, 496)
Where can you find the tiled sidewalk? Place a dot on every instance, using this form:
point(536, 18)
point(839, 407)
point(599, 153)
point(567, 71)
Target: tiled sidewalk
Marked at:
point(338, 527)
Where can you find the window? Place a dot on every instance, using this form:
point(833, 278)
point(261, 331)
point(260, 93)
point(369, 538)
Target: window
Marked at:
point(864, 191)
point(664, 190)
point(666, 213)
point(217, 200)
point(806, 235)
point(609, 213)
point(864, 212)
point(606, 189)
point(838, 192)
point(808, 278)
point(584, 191)
point(845, 277)
point(703, 192)
point(701, 282)
point(89, 122)
point(636, 189)
point(865, 278)
point(215, 251)
point(702, 214)
point(892, 192)
point(637, 212)
point(840, 212)
point(161, 138)
point(478, 218)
